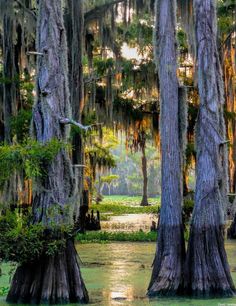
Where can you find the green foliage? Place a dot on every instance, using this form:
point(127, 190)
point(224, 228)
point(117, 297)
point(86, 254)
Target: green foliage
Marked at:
point(6, 272)
point(31, 156)
point(26, 90)
point(128, 109)
point(188, 207)
point(138, 33)
point(20, 124)
point(24, 242)
point(89, 118)
point(4, 291)
point(229, 115)
point(7, 81)
point(190, 152)
point(108, 179)
point(124, 200)
point(101, 237)
point(182, 41)
point(119, 209)
point(226, 16)
point(100, 156)
point(102, 65)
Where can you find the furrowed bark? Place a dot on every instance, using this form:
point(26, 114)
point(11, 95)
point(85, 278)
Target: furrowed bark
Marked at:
point(207, 271)
point(57, 278)
point(168, 263)
point(52, 280)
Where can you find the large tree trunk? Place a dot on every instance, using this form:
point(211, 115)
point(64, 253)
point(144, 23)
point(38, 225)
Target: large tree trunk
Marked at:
point(168, 263)
point(53, 279)
point(144, 201)
point(207, 271)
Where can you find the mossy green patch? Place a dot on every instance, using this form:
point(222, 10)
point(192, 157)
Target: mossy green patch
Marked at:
point(101, 237)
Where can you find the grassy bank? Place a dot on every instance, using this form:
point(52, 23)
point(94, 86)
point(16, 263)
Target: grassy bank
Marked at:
point(101, 237)
point(128, 200)
point(117, 209)
point(121, 205)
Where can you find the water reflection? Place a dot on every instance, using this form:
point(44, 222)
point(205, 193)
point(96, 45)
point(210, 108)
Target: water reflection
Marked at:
point(118, 274)
point(119, 289)
point(129, 222)
point(123, 271)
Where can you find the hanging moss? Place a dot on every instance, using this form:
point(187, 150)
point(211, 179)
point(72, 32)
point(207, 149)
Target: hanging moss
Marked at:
point(99, 158)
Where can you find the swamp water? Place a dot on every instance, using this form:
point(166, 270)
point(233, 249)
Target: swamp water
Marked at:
point(118, 274)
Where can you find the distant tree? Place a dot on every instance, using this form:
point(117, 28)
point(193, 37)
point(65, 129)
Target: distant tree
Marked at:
point(109, 181)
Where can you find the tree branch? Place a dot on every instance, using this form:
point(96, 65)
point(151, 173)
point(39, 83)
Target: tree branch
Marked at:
point(96, 12)
point(34, 53)
point(78, 124)
point(26, 9)
point(228, 36)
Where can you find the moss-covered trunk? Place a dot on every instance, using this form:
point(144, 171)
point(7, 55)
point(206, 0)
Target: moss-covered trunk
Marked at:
point(207, 271)
point(53, 279)
point(168, 263)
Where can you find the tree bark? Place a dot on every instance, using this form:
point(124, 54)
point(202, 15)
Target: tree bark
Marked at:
point(52, 279)
point(168, 263)
point(207, 271)
point(144, 201)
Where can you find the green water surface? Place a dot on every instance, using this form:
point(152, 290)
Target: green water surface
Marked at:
point(119, 273)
